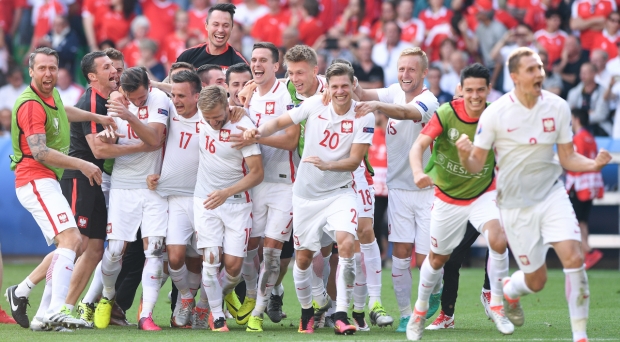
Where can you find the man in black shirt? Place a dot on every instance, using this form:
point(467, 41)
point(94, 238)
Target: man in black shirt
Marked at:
point(216, 50)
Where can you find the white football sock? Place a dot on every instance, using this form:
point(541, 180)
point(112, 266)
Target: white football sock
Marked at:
point(193, 281)
point(151, 280)
point(429, 277)
point(497, 267)
point(401, 278)
point(303, 285)
point(96, 286)
point(24, 288)
point(45, 300)
point(516, 287)
point(360, 291)
point(268, 276)
point(61, 270)
point(278, 290)
point(180, 279)
point(110, 268)
point(213, 288)
point(249, 270)
point(327, 268)
point(578, 297)
point(372, 264)
point(345, 279)
point(228, 282)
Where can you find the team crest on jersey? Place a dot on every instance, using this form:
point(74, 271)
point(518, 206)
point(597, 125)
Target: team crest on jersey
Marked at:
point(82, 222)
point(63, 218)
point(143, 113)
point(108, 228)
point(270, 107)
point(453, 133)
point(524, 260)
point(346, 126)
point(549, 124)
point(434, 242)
point(224, 135)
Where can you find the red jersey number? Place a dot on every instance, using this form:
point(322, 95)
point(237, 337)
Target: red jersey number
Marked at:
point(391, 129)
point(187, 137)
point(209, 145)
point(330, 140)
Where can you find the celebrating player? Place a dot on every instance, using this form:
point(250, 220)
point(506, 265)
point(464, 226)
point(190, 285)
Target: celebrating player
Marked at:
point(222, 204)
point(459, 197)
point(522, 127)
point(335, 144)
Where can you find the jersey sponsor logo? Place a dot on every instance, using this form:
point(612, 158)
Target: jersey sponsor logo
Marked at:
point(108, 228)
point(524, 260)
point(421, 104)
point(63, 218)
point(56, 126)
point(162, 111)
point(82, 222)
point(143, 113)
point(434, 242)
point(548, 125)
point(346, 126)
point(368, 130)
point(270, 107)
point(453, 133)
point(224, 135)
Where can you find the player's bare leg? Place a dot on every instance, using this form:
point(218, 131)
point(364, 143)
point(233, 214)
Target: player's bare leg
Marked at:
point(345, 280)
point(179, 273)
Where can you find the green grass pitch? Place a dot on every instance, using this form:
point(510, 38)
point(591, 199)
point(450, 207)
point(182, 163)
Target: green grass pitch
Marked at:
point(546, 316)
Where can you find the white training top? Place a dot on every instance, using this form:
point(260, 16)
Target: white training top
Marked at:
point(180, 166)
point(278, 164)
point(523, 141)
point(130, 171)
point(222, 166)
point(401, 134)
point(329, 136)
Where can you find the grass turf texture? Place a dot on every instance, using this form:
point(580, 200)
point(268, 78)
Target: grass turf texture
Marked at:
point(546, 315)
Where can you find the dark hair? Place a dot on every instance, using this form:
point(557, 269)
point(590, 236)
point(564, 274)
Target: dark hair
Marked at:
point(476, 70)
point(133, 78)
point(400, 31)
point(456, 19)
point(43, 51)
point(343, 61)
point(275, 53)
point(203, 71)
point(181, 65)
point(238, 68)
point(339, 69)
point(230, 8)
point(88, 63)
point(553, 11)
point(436, 68)
point(582, 116)
point(114, 54)
point(128, 8)
point(190, 77)
point(312, 7)
point(14, 69)
point(107, 42)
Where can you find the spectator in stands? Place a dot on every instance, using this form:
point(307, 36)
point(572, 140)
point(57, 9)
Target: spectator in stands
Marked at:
point(106, 44)
point(310, 28)
point(588, 17)
point(290, 37)
point(552, 81)
point(163, 13)
point(518, 8)
point(388, 13)
point(449, 81)
point(413, 30)
point(5, 121)
point(12, 90)
point(589, 97)
point(90, 22)
point(612, 95)
point(248, 12)
point(198, 12)
point(584, 187)
point(488, 32)
point(569, 64)
point(115, 21)
point(64, 40)
point(500, 15)
point(369, 75)
point(535, 15)
point(435, 14)
point(148, 59)
point(269, 27)
point(433, 78)
point(239, 41)
point(608, 38)
point(140, 27)
point(599, 59)
point(10, 15)
point(211, 74)
point(69, 92)
point(551, 38)
point(385, 54)
point(175, 43)
point(457, 30)
point(45, 16)
point(353, 23)
point(321, 62)
point(520, 37)
point(446, 49)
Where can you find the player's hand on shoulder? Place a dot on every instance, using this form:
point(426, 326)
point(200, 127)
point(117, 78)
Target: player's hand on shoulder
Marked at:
point(245, 95)
point(603, 158)
point(316, 161)
point(326, 96)
point(250, 133)
point(363, 108)
point(118, 110)
point(422, 180)
point(152, 181)
point(92, 172)
point(236, 114)
point(239, 141)
point(215, 199)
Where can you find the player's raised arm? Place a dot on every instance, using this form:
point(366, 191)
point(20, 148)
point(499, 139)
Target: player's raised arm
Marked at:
point(78, 115)
point(282, 122)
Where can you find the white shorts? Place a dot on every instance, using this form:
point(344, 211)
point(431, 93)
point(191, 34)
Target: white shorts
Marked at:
point(409, 217)
point(313, 217)
point(180, 220)
point(228, 225)
point(531, 230)
point(43, 198)
point(326, 240)
point(131, 209)
point(449, 221)
point(272, 211)
point(365, 199)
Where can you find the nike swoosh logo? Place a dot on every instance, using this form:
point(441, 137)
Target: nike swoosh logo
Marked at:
point(367, 210)
point(13, 306)
point(512, 129)
point(242, 317)
point(322, 118)
point(396, 276)
point(155, 278)
point(356, 284)
point(283, 232)
point(69, 269)
point(303, 288)
point(379, 271)
point(175, 119)
point(426, 286)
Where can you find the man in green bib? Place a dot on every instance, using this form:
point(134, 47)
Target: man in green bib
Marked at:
point(459, 197)
point(40, 135)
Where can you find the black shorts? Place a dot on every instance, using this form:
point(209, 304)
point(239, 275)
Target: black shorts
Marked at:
point(335, 248)
point(88, 206)
point(582, 208)
point(288, 249)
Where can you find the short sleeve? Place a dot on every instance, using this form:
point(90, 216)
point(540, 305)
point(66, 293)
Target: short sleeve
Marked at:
point(433, 128)
point(31, 118)
point(387, 94)
point(485, 133)
point(365, 130)
point(250, 150)
point(565, 133)
point(301, 113)
point(159, 109)
point(426, 103)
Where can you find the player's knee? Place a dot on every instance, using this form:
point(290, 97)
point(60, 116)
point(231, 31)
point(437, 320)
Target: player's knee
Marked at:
point(437, 260)
point(253, 243)
point(303, 259)
point(211, 256)
point(536, 281)
point(176, 260)
point(402, 250)
point(574, 260)
point(115, 250)
point(154, 247)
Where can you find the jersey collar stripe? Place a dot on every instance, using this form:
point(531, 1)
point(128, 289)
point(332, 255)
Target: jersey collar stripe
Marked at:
point(292, 165)
point(277, 85)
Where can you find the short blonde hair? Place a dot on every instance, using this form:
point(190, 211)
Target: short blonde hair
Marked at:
point(416, 51)
point(211, 97)
point(301, 53)
point(515, 58)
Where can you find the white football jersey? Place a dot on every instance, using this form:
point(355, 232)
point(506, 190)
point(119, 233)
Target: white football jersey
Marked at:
point(278, 164)
point(222, 166)
point(319, 90)
point(401, 134)
point(523, 142)
point(329, 136)
point(180, 165)
point(130, 171)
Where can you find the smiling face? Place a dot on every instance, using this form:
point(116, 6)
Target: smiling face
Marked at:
point(302, 75)
point(44, 73)
point(119, 65)
point(263, 66)
point(185, 102)
point(411, 73)
point(475, 91)
point(341, 89)
point(236, 81)
point(138, 97)
point(529, 75)
point(219, 25)
point(217, 117)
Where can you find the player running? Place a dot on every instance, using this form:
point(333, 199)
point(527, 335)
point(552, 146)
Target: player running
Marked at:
point(222, 204)
point(459, 197)
point(522, 127)
point(409, 105)
point(323, 200)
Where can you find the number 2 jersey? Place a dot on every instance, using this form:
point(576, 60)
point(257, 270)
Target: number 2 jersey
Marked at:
point(328, 136)
point(130, 171)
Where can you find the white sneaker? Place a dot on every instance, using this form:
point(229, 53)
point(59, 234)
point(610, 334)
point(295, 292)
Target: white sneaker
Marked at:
point(502, 323)
point(442, 322)
point(38, 325)
point(415, 327)
point(63, 320)
point(485, 298)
